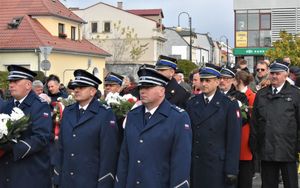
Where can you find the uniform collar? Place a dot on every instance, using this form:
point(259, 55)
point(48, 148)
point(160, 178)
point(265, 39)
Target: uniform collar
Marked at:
point(278, 88)
point(152, 111)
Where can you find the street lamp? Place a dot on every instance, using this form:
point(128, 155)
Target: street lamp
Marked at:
point(179, 29)
point(223, 36)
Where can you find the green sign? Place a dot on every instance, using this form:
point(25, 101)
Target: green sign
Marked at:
point(249, 51)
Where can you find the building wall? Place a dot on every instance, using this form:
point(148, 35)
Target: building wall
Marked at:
point(62, 65)
point(258, 4)
point(26, 59)
point(51, 24)
point(145, 29)
point(175, 44)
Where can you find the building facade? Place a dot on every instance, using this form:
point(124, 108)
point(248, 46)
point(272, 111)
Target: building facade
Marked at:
point(178, 46)
point(130, 36)
point(258, 24)
point(33, 31)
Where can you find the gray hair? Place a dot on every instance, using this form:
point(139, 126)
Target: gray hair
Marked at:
point(37, 83)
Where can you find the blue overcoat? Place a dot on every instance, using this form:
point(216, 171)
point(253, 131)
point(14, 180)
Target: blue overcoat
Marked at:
point(156, 155)
point(28, 163)
point(216, 140)
point(88, 147)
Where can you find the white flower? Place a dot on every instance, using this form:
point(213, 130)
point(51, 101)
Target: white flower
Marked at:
point(16, 114)
point(113, 98)
point(59, 99)
point(240, 103)
point(70, 97)
point(3, 121)
point(129, 96)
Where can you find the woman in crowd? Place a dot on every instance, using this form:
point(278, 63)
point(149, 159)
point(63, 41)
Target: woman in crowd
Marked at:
point(246, 164)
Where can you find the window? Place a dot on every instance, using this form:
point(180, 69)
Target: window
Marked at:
point(241, 22)
point(94, 26)
point(73, 33)
point(253, 22)
point(265, 21)
point(61, 28)
point(253, 38)
point(106, 27)
point(253, 28)
point(265, 38)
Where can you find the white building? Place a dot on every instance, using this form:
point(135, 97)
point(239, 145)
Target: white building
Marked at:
point(123, 33)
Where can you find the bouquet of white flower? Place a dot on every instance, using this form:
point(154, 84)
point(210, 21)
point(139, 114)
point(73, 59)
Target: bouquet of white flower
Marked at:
point(120, 105)
point(67, 101)
point(11, 126)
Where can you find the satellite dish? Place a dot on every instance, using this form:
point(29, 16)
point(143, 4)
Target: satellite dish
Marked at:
point(45, 65)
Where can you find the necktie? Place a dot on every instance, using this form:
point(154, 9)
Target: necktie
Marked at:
point(206, 100)
point(274, 91)
point(17, 104)
point(147, 116)
point(81, 112)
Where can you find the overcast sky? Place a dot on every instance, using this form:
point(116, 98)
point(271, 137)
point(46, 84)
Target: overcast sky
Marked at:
point(208, 16)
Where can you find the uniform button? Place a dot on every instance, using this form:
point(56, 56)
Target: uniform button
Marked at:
point(141, 141)
point(7, 179)
point(197, 141)
point(138, 161)
point(72, 154)
point(137, 182)
point(6, 162)
point(74, 135)
point(197, 156)
point(71, 173)
point(198, 127)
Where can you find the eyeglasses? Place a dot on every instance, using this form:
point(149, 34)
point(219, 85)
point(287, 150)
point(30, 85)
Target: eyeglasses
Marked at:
point(260, 70)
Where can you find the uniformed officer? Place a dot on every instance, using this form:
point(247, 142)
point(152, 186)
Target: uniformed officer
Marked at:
point(156, 149)
point(88, 143)
point(112, 83)
point(216, 126)
point(26, 163)
point(227, 82)
point(175, 94)
point(276, 122)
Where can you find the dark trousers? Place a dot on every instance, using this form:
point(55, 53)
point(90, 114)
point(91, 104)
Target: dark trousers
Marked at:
point(270, 174)
point(246, 169)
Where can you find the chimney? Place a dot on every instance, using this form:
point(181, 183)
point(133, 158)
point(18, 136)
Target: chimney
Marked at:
point(120, 5)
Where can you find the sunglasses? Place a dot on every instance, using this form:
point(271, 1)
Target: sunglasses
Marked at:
point(260, 70)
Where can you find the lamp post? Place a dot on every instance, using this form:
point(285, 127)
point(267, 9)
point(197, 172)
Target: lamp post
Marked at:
point(190, 24)
point(223, 36)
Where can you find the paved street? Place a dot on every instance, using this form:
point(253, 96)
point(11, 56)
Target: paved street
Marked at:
point(257, 182)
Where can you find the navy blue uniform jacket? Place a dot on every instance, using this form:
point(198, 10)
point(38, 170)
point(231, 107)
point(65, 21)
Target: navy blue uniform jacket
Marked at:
point(28, 163)
point(88, 147)
point(157, 155)
point(216, 140)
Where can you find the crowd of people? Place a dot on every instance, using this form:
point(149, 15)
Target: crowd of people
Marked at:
point(214, 130)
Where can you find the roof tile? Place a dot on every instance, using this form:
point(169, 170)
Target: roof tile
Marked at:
point(30, 34)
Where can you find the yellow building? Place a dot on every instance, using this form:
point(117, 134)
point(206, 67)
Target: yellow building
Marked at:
point(36, 32)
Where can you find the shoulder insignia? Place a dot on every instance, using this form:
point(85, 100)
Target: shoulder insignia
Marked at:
point(178, 109)
point(192, 96)
point(105, 106)
point(231, 98)
point(41, 99)
point(295, 87)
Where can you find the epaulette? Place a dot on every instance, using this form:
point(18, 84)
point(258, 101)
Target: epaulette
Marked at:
point(178, 109)
point(42, 100)
point(192, 96)
point(105, 106)
point(231, 98)
point(295, 87)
